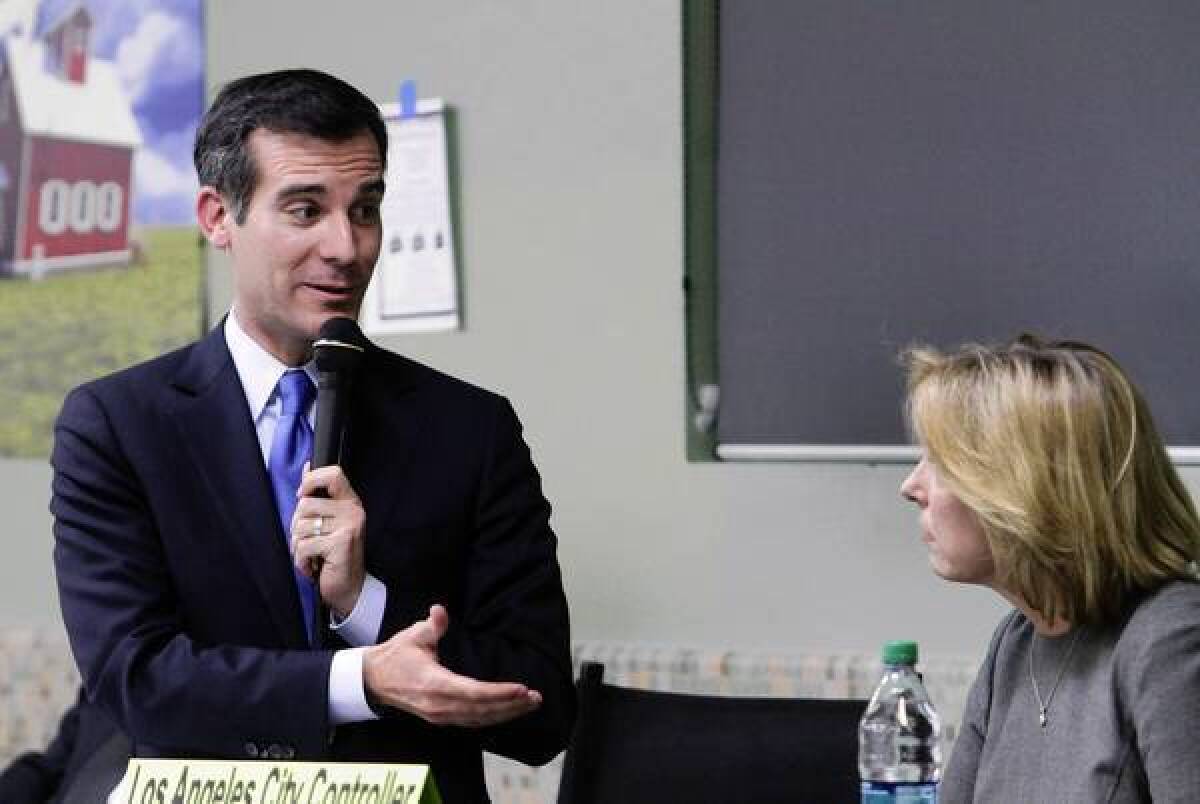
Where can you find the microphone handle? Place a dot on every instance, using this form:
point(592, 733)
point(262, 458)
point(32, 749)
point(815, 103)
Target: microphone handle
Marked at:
point(330, 421)
point(327, 444)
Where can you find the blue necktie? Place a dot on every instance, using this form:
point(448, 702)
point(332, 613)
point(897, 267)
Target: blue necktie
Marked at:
point(290, 448)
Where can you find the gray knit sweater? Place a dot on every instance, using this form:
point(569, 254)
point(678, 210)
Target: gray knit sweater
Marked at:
point(1122, 726)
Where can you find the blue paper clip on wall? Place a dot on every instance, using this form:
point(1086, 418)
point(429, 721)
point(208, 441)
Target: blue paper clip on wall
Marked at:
point(408, 99)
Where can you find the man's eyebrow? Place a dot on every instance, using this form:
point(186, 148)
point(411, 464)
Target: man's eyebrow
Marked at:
point(373, 187)
point(293, 190)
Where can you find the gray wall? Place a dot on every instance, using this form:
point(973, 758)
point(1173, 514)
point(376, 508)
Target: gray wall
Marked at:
point(571, 178)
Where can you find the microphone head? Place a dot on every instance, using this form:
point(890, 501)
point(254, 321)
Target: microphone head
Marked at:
point(340, 345)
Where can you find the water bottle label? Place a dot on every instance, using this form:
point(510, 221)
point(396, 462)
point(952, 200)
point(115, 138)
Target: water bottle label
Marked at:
point(899, 793)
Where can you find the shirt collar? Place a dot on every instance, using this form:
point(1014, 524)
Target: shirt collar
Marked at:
point(258, 369)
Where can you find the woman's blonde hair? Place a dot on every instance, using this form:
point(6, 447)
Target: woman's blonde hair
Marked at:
point(1054, 450)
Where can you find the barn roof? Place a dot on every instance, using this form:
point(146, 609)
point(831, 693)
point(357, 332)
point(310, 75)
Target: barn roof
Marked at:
point(51, 24)
point(97, 111)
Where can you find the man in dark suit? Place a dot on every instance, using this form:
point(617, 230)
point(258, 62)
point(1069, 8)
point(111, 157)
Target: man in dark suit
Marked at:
point(188, 538)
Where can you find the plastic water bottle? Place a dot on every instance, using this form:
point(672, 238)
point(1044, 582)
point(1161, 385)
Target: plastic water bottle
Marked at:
point(899, 736)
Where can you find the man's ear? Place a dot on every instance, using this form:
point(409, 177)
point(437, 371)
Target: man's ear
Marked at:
point(214, 216)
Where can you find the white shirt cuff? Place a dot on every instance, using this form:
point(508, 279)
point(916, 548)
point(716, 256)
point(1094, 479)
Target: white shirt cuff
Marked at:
point(347, 698)
point(362, 626)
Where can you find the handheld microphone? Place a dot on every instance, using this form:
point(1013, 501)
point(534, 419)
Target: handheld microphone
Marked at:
point(339, 348)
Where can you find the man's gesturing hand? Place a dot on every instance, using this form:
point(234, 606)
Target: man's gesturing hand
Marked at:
point(334, 556)
point(404, 673)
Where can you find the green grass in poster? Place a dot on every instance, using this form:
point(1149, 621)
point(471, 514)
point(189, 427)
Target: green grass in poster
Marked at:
point(63, 330)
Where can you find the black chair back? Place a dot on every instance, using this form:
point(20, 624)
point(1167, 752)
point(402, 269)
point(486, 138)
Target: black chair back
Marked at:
point(638, 747)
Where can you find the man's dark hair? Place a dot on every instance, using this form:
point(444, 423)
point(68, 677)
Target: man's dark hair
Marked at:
point(303, 101)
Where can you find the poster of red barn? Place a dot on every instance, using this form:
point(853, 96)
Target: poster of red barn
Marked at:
point(99, 259)
point(67, 142)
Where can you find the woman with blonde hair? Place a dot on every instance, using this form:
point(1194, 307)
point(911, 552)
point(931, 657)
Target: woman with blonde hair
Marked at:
point(1043, 478)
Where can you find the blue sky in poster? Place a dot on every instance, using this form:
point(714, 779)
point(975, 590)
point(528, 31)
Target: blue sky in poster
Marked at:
point(158, 48)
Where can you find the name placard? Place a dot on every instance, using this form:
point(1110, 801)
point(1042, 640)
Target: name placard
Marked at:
point(202, 781)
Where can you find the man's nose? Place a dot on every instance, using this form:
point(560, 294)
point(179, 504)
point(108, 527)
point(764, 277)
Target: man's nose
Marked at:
point(338, 244)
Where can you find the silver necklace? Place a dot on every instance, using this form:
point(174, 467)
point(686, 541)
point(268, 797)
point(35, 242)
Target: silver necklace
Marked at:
point(1043, 706)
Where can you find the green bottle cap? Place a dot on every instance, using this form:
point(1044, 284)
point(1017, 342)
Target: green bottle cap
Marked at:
point(900, 652)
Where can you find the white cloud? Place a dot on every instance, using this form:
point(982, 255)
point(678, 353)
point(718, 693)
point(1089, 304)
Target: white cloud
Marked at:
point(162, 49)
point(177, 146)
point(155, 176)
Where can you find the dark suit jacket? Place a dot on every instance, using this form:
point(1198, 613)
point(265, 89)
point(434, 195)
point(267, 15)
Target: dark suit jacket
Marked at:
point(177, 589)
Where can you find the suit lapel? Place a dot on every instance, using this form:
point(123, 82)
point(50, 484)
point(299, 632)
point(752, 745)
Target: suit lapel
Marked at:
point(382, 430)
point(217, 433)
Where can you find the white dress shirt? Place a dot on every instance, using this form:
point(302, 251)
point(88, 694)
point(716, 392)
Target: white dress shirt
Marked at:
point(259, 372)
